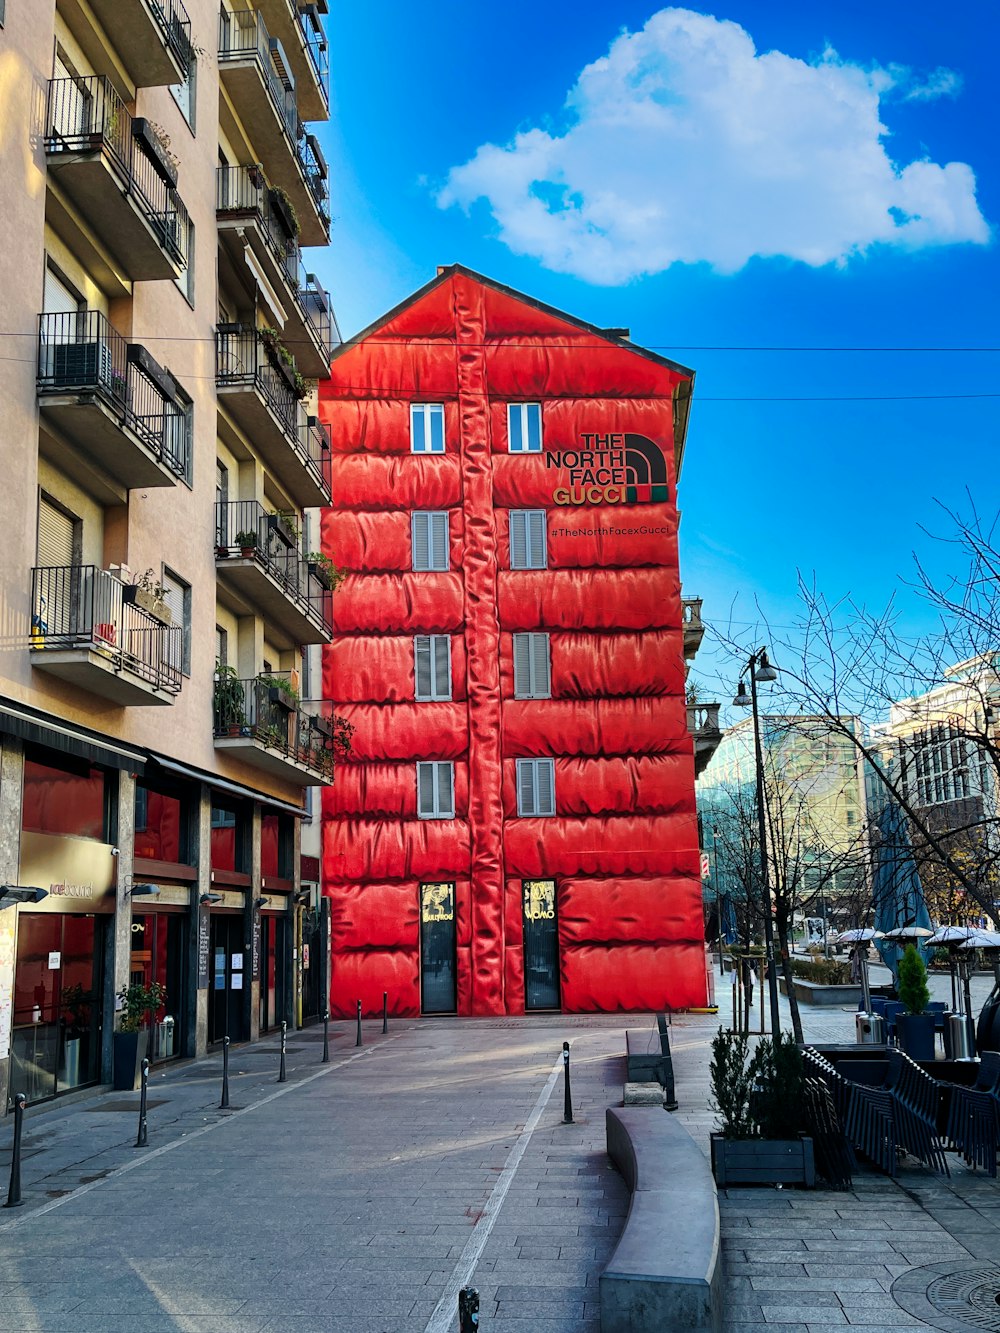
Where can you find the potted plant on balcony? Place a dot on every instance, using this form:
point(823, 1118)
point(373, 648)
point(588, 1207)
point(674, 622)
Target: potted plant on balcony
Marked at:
point(759, 1099)
point(149, 593)
point(284, 208)
point(228, 702)
point(324, 571)
point(247, 542)
point(915, 1027)
point(285, 526)
point(138, 1003)
point(281, 691)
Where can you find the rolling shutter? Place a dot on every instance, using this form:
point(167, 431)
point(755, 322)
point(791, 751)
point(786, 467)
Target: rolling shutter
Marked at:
point(56, 536)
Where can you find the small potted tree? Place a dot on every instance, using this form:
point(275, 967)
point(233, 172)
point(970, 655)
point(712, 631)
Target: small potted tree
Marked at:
point(247, 542)
point(131, 1041)
point(228, 701)
point(915, 1027)
point(759, 1098)
point(324, 571)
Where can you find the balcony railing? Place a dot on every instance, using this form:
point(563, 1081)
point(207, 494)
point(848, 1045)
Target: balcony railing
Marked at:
point(316, 47)
point(694, 629)
point(84, 607)
point(314, 448)
point(318, 312)
point(245, 528)
point(244, 35)
point(314, 169)
point(703, 724)
point(243, 192)
point(258, 711)
point(82, 353)
point(86, 115)
point(173, 21)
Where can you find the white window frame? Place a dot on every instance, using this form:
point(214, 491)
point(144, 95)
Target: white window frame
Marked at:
point(431, 644)
point(438, 811)
point(428, 516)
point(428, 413)
point(536, 688)
point(521, 412)
point(522, 519)
point(535, 766)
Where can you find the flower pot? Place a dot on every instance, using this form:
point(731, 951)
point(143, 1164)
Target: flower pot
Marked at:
point(222, 553)
point(763, 1161)
point(129, 1051)
point(320, 574)
point(279, 526)
point(915, 1033)
point(276, 695)
point(248, 552)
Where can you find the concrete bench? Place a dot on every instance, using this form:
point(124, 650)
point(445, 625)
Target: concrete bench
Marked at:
point(666, 1270)
point(648, 1059)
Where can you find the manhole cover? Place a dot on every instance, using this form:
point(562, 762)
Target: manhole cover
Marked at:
point(955, 1299)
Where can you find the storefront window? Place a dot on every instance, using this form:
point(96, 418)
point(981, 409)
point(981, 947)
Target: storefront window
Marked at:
point(228, 838)
point(276, 846)
point(160, 831)
point(158, 952)
point(68, 800)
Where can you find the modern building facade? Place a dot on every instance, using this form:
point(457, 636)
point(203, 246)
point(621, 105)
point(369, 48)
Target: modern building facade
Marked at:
point(164, 461)
point(515, 826)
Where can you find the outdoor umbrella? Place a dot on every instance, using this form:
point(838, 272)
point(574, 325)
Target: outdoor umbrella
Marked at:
point(861, 935)
point(989, 942)
point(897, 893)
point(951, 938)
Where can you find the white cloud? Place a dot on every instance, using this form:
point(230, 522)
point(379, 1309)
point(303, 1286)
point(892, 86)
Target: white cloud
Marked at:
point(683, 145)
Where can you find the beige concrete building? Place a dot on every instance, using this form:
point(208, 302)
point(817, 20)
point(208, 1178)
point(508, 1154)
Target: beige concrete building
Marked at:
point(160, 727)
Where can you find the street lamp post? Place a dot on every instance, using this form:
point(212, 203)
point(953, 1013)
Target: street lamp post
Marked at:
point(759, 669)
point(718, 896)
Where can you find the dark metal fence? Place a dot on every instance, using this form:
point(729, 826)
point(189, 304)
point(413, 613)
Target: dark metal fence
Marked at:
point(244, 192)
point(87, 115)
point(81, 352)
point(316, 45)
point(245, 526)
point(314, 447)
point(82, 606)
point(257, 710)
point(172, 19)
point(243, 35)
point(242, 358)
point(314, 171)
point(318, 311)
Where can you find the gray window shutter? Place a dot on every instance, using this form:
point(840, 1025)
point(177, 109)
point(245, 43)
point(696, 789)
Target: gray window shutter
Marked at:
point(422, 659)
point(421, 543)
point(544, 787)
point(522, 665)
point(425, 789)
point(446, 795)
point(442, 666)
point(439, 541)
point(525, 787)
point(535, 520)
point(541, 686)
point(518, 540)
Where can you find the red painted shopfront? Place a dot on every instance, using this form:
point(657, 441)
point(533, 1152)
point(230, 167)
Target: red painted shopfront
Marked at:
point(515, 827)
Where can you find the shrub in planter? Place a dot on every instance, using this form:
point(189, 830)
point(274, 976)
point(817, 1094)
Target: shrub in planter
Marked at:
point(131, 1041)
point(915, 1028)
point(823, 971)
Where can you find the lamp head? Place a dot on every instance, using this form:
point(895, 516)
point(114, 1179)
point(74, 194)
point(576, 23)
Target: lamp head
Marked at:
point(742, 699)
point(210, 898)
point(11, 894)
point(142, 891)
point(765, 671)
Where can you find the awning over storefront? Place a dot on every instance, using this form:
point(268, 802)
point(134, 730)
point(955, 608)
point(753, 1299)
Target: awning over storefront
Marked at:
point(29, 724)
point(224, 784)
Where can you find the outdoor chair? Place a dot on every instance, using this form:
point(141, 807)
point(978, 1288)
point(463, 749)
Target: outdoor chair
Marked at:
point(974, 1116)
point(831, 1148)
point(917, 1098)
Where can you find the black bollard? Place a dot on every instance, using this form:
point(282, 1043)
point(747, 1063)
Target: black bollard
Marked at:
point(385, 1012)
point(358, 1042)
point(567, 1099)
point(224, 1104)
point(282, 1076)
point(326, 1038)
point(468, 1310)
point(142, 1138)
point(14, 1199)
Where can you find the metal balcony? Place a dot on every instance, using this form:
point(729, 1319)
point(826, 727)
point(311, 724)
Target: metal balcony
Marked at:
point(251, 213)
point(117, 175)
point(258, 390)
point(703, 724)
point(110, 399)
point(694, 630)
point(152, 37)
point(85, 630)
point(261, 571)
point(299, 28)
point(260, 724)
point(256, 74)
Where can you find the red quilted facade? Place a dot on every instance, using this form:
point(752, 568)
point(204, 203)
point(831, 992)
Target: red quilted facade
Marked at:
point(621, 843)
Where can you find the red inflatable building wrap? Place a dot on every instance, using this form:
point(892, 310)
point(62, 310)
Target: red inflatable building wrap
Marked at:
point(515, 825)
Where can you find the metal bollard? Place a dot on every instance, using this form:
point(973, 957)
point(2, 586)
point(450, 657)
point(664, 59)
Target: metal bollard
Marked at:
point(326, 1038)
point(282, 1076)
point(468, 1310)
point(567, 1098)
point(385, 1012)
point(358, 1042)
point(142, 1138)
point(224, 1104)
point(14, 1199)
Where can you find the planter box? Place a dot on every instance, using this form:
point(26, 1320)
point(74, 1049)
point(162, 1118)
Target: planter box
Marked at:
point(279, 526)
point(815, 992)
point(284, 215)
point(276, 695)
point(128, 1053)
point(915, 1033)
point(320, 574)
point(153, 606)
point(150, 143)
point(763, 1161)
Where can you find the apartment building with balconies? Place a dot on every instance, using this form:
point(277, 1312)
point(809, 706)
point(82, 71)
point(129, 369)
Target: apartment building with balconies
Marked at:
point(160, 729)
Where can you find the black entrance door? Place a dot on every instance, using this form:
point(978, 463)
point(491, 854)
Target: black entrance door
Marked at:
point(437, 949)
point(274, 972)
point(228, 977)
point(541, 945)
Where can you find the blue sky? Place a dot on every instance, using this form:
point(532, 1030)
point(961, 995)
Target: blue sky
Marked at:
point(753, 173)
